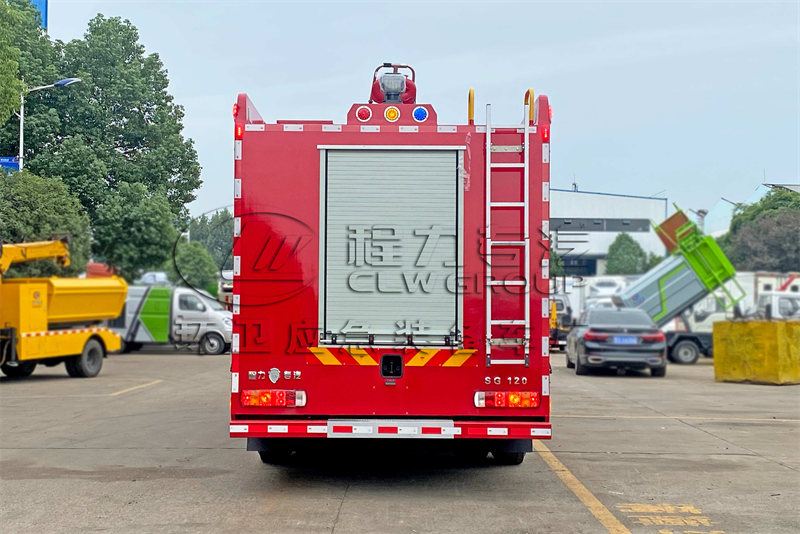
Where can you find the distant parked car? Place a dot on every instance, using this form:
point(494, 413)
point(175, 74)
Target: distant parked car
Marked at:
point(153, 278)
point(598, 302)
point(621, 338)
point(606, 287)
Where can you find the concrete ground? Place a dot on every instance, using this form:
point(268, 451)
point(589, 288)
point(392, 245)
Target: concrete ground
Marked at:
point(144, 448)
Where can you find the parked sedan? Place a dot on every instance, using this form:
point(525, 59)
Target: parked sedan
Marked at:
point(620, 338)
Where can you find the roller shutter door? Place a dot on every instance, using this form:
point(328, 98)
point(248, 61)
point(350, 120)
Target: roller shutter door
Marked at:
point(390, 249)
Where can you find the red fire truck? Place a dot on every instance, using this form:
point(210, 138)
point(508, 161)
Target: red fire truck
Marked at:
point(391, 277)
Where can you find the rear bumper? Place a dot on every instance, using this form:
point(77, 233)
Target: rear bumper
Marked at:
point(390, 429)
point(632, 360)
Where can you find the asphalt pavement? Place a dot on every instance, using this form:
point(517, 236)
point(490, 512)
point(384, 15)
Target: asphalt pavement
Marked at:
point(144, 448)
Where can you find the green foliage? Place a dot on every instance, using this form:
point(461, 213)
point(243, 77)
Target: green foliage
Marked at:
point(37, 65)
point(626, 256)
point(216, 235)
point(192, 265)
point(37, 209)
point(556, 264)
point(119, 125)
point(773, 202)
point(134, 230)
point(765, 235)
point(115, 140)
point(652, 261)
point(11, 86)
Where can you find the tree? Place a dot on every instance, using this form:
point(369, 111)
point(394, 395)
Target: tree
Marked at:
point(37, 209)
point(119, 125)
point(134, 230)
point(626, 256)
point(37, 65)
point(11, 86)
point(216, 235)
point(556, 264)
point(652, 261)
point(124, 112)
point(193, 265)
point(765, 235)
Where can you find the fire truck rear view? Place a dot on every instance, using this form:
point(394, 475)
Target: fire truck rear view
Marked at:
point(390, 276)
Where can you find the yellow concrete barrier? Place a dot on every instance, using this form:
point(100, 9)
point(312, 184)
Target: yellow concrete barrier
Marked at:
point(763, 352)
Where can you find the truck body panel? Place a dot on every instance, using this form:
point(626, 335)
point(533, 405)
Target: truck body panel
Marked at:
point(360, 276)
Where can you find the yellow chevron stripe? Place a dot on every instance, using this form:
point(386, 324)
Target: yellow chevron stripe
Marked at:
point(422, 357)
point(361, 356)
point(458, 358)
point(324, 356)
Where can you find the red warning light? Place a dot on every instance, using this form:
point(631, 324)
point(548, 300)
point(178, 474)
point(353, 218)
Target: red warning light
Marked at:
point(545, 134)
point(235, 110)
point(239, 131)
point(364, 113)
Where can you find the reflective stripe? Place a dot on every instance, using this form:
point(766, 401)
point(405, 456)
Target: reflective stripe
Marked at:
point(361, 356)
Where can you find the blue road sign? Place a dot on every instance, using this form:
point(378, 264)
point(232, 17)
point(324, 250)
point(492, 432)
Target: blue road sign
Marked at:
point(41, 5)
point(9, 164)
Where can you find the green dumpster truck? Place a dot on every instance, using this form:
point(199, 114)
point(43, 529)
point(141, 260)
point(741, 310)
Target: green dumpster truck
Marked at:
point(695, 267)
point(156, 315)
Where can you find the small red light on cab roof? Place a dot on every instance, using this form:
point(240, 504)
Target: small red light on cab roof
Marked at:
point(235, 110)
point(239, 131)
point(545, 134)
point(364, 113)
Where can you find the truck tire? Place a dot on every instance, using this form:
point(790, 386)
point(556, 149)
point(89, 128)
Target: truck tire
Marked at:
point(685, 352)
point(509, 458)
point(20, 371)
point(212, 344)
point(659, 372)
point(89, 362)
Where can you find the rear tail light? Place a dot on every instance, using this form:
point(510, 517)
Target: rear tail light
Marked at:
point(239, 132)
point(594, 336)
point(506, 399)
point(289, 398)
point(654, 338)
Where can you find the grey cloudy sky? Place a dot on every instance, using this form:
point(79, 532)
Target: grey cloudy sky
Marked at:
point(697, 99)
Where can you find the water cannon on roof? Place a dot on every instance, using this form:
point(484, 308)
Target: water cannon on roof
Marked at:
point(393, 87)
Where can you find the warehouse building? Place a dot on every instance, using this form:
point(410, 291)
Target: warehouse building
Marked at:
point(583, 225)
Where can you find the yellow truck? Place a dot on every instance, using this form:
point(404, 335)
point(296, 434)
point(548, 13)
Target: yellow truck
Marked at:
point(54, 320)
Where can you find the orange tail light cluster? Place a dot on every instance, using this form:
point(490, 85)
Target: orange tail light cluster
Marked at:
point(273, 397)
point(506, 399)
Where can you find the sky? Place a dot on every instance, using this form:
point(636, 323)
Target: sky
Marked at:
point(684, 100)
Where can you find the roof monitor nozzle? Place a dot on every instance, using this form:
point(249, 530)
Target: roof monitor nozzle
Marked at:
point(393, 85)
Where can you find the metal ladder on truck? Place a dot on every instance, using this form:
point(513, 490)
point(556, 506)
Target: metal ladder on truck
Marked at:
point(525, 322)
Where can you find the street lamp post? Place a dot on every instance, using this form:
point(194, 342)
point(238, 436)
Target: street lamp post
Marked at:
point(60, 83)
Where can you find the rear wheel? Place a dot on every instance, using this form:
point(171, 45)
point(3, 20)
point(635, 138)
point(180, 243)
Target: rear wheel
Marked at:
point(20, 370)
point(579, 368)
point(212, 344)
point(570, 364)
point(89, 362)
point(659, 371)
point(509, 458)
point(685, 352)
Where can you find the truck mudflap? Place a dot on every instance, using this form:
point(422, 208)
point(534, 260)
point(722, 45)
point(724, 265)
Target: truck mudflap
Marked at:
point(388, 428)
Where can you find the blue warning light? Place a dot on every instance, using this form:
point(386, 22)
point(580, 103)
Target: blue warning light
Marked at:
point(420, 114)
